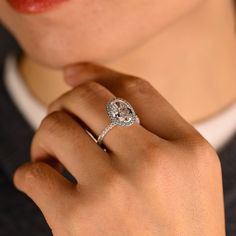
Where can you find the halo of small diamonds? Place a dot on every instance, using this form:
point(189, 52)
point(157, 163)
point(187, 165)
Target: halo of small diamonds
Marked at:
point(121, 112)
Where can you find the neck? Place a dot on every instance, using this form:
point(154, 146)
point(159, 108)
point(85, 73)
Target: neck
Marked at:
point(44, 83)
point(192, 63)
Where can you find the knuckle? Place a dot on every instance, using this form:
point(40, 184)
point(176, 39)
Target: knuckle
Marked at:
point(35, 171)
point(88, 91)
point(152, 156)
point(17, 178)
point(152, 151)
point(51, 123)
point(29, 174)
point(199, 146)
point(204, 154)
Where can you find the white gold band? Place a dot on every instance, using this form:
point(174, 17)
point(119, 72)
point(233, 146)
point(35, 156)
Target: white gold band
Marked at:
point(107, 129)
point(104, 132)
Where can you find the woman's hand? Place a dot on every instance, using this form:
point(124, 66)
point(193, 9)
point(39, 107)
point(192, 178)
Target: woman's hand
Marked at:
point(157, 178)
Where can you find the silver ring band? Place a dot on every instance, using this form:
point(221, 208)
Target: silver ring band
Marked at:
point(104, 132)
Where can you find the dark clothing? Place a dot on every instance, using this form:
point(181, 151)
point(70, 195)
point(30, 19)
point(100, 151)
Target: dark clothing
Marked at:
point(18, 214)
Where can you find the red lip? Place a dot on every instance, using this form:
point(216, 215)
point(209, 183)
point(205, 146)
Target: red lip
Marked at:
point(34, 6)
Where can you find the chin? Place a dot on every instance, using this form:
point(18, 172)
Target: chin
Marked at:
point(57, 57)
point(91, 33)
point(57, 52)
point(53, 57)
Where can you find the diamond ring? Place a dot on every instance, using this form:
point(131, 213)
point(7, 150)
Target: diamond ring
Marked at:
point(121, 113)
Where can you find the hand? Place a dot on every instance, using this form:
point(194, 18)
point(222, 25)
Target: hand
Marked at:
point(157, 178)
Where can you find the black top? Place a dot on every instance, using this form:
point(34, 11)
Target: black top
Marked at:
point(18, 214)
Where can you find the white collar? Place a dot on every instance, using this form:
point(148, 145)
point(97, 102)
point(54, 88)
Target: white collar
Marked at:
point(32, 110)
point(217, 130)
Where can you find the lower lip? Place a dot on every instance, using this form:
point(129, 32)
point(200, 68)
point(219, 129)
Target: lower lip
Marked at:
point(34, 6)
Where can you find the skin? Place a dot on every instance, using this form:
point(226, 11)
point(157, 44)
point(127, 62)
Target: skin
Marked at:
point(169, 51)
point(165, 179)
point(51, 34)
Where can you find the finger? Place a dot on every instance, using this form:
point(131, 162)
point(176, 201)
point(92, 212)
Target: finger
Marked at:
point(83, 72)
point(88, 102)
point(45, 186)
point(60, 136)
point(155, 113)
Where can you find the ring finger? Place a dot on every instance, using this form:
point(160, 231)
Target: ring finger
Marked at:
point(88, 102)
